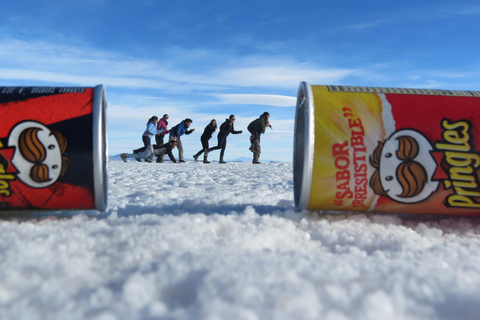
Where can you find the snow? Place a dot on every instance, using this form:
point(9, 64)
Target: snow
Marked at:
point(196, 241)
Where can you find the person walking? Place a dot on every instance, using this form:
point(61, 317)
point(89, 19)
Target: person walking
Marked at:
point(162, 123)
point(256, 128)
point(151, 130)
point(158, 150)
point(225, 129)
point(178, 131)
point(207, 135)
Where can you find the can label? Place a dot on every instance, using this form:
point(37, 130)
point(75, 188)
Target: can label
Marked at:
point(46, 148)
point(396, 150)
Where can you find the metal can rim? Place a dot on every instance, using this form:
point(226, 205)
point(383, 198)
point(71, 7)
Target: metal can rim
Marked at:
point(100, 148)
point(304, 143)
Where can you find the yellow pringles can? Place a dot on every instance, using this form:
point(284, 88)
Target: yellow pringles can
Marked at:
point(369, 149)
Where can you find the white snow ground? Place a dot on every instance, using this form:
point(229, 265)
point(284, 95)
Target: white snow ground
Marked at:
point(195, 241)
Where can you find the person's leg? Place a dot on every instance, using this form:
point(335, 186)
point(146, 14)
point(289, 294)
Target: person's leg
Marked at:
point(252, 140)
point(159, 139)
point(151, 156)
point(205, 156)
point(160, 157)
point(219, 145)
point(180, 150)
point(256, 151)
point(222, 152)
point(144, 154)
point(146, 143)
point(204, 147)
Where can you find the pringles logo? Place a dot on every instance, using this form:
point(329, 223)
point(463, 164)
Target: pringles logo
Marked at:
point(403, 167)
point(7, 172)
point(34, 155)
point(408, 169)
point(457, 163)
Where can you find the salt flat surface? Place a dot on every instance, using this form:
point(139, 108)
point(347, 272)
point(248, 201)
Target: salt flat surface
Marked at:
point(195, 241)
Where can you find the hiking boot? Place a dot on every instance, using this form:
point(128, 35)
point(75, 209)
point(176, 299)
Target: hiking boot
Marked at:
point(195, 157)
point(221, 161)
point(181, 161)
point(124, 157)
point(256, 162)
point(205, 156)
point(148, 160)
point(159, 160)
point(138, 159)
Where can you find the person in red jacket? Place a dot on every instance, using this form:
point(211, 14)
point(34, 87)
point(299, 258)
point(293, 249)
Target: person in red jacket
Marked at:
point(162, 124)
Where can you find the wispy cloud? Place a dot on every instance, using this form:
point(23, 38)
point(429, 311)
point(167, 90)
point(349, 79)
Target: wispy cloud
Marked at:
point(40, 61)
point(257, 99)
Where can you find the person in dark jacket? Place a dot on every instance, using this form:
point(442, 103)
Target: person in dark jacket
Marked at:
point(225, 129)
point(256, 128)
point(165, 149)
point(207, 134)
point(158, 150)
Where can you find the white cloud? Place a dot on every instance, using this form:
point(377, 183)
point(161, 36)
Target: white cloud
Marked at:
point(72, 64)
point(260, 99)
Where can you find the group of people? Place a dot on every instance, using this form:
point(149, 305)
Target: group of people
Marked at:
point(158, 129)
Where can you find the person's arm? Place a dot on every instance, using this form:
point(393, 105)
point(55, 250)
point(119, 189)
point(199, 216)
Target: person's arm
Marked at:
point(262, 124)
point(152, 129)
point(170, 155)
point(236, 132)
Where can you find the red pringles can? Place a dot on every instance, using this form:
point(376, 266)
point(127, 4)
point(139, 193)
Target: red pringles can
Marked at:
point(368, 149)
point(53, 148)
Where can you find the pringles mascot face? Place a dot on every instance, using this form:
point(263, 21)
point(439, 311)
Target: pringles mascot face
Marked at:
point(38, 153)
point(404, 167)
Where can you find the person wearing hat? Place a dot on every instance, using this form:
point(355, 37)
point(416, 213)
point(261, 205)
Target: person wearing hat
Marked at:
point(256, 128)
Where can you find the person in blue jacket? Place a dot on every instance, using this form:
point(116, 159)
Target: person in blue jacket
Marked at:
point(178, 131)
point(150, 131)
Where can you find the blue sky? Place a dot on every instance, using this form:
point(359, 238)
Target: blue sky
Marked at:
point(209, 59)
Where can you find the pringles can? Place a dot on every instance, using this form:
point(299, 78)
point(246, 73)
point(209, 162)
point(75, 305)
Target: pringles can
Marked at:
point(392, 150)
point(53, 148)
